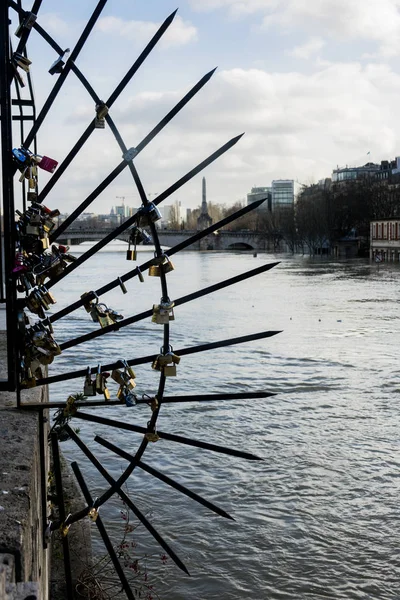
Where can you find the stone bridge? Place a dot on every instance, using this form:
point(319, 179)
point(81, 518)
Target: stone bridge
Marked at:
point(220, 240)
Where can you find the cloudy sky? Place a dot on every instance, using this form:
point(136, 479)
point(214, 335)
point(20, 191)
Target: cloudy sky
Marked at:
point(312, 83)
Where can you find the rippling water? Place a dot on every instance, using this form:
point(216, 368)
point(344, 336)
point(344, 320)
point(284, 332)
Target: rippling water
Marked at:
point(318, 517)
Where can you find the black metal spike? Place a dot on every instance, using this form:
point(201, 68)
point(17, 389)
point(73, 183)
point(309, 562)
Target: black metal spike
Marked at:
point(171, 482)
point(113, 97)
point(147, 359)
point(63, 75)
point(168, 436)
point(175, 110)
point(127, 500)
point(209, 397)
point(102, 530)
point(179, 301)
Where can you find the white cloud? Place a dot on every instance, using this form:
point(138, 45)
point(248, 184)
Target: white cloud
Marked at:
point(179, 32)
point(374, 20)
point(312, 46)
point(297, 126)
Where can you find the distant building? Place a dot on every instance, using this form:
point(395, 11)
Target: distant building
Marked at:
point(204, 219)
point(386, 170)
point(261, 193)
point(385, 240)
point(282, 194)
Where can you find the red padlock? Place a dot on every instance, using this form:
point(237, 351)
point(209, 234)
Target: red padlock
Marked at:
point(48, 164)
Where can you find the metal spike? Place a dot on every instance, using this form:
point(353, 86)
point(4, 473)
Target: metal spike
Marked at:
point(103, 533)
point(148, 359)
point(168, 436)
point(118, 90)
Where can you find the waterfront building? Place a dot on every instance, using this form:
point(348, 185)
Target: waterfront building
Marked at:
point(385, 240)
point(282, 194)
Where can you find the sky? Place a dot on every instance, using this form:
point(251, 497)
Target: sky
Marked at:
point(313, 84)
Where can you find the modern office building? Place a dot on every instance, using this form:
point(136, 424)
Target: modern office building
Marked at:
point(282, 194)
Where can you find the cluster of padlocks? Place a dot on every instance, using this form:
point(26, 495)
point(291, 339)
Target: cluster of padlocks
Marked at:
point(35, 262)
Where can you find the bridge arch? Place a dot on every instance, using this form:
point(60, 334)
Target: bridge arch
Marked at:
point(240, 246)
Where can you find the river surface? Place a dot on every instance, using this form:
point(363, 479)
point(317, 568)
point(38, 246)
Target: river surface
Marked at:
point(319, 516)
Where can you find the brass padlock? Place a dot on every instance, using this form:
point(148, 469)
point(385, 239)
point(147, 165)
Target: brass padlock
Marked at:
point(45, 243)
point(99, 381)
point(156, 364)
point(154, 271)
point(48, 296)
point(169, 370)
point(88, 304)
point(129, 369)
point(131, 254)
point(117, 376)
point(106, 391)
point(167, 265)
point(160, 315)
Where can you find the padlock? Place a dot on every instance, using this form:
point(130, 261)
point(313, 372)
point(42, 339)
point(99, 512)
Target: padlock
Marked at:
point(27, 23)
point(117, 377)
point(47, 164)
point(122, 286)
point(88, 305)
point(130, 399)
point(99, 381)
point(167, 265)
point(101, 112)
point(89, 387)
point(160, 316)
point(45, 243)
point(114, 316)
point(169, 370)
point(148, 214)
point(128, 369)
point(21, 61)
point(59, 63)
point(131, 254)
point(45, 357)
point(156, 364)
point(32, 230)
point(152, 436)
point(106, 391)
point(104, 318)
point(28, 381)
point(154, 271)
point(48, 296)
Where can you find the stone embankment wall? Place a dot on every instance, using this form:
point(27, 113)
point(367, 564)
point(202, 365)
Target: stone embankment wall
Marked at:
point(24, 564)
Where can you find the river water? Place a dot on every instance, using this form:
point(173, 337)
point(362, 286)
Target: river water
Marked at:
point(318, 517)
